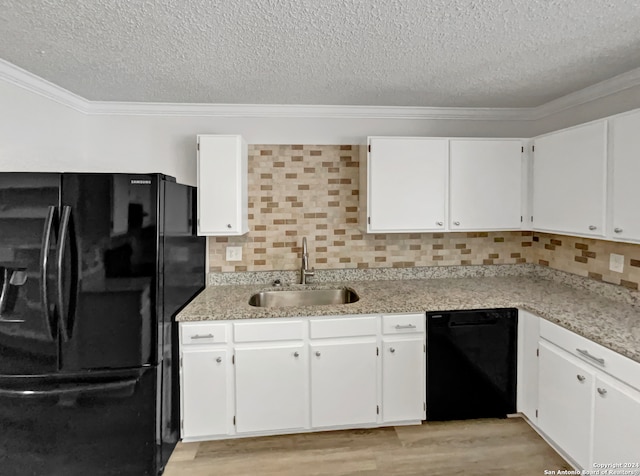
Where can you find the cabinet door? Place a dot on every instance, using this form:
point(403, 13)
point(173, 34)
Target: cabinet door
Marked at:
point(486, 185)
point(222, 185)
point(625, 149)
point(403, 379)
point(204, 391)
point(407, 184)
point(616, 428)
point(566, 388)
point(343, 383)
point(271, 389)
point(569, 178)
point(528, 337)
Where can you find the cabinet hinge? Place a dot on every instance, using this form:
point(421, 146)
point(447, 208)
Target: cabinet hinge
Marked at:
point(537, 352)
point(233, 360)
point(536, 413)
point(377, 351)
point(369, 148)
point(368, 220)
point(521, 219)
point(531, 218)
point(198, 145)
point(522, 148)
point(182, 425)
point(234, 420)
point(377, 409)
point(533, 148)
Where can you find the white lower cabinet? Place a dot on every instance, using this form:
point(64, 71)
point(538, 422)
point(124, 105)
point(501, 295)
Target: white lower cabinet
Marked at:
point(271, 388)
point(566, 388)
point(204, 389)
point(403, 379)
point(343, 383)
point(616, 425)
point(527, 381)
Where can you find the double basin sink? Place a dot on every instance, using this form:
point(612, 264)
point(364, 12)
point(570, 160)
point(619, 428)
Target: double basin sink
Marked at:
point(307, 297)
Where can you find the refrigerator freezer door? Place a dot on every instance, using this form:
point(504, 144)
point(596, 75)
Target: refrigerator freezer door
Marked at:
point(107, 294)
point(99, 425)
point(28, 232)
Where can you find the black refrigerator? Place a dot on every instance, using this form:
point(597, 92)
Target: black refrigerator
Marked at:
point(93, 269)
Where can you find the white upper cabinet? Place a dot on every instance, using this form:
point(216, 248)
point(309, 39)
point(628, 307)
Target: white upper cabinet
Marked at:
point(486, 185)
point(569, 180)
point(222, 185)
point(625, 164)
point(406, 184)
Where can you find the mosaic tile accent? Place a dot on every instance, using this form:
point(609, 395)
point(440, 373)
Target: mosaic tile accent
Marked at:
point(587, 257)
point(310, 191)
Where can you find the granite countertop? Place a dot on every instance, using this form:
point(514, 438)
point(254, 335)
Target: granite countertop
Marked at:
point(610, 322)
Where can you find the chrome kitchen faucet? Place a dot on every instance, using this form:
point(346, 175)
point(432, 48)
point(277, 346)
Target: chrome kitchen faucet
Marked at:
point(305, 272)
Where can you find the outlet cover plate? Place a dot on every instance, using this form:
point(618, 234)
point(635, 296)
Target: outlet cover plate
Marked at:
point(616, 263)
point(234, 253)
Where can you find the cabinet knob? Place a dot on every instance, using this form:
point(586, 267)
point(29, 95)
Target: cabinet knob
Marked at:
point(602, 391)
point(392, 350)
point(318, 353)
point(456, 223)
point(296, 354)
point(580, 377)
point(617, 230)
point(229, 225)
point(219, 359)
point(593, 227)
point(439, 223)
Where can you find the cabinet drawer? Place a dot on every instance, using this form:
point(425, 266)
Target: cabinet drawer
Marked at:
point(202, 333)
point(343, 327)
point(268, 331)
point(597, 355)
point(403, 324)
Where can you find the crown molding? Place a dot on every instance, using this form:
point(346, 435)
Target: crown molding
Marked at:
point(31, 82)
point(304, 111)
point(590, 93)
point(22, 78)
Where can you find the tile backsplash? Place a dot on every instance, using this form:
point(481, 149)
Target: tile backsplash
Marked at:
point(587, 257)
point(312, 191)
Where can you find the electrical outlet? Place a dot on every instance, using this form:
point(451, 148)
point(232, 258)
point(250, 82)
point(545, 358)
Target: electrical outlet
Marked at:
point(616, 263)
point(234, 253)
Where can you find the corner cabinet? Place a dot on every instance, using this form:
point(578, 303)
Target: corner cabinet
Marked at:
point(569, 180)
point(274, 376)
point(222, 185)
point(624, 135)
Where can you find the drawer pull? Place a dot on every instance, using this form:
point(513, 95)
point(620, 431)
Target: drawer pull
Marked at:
point(296, 354)
point(392, 350)
point(592, 357)
point(318, 354)
point(602, 391)
point(219, 359)
point(580, 378)
point(408, 326)
point(202, 336)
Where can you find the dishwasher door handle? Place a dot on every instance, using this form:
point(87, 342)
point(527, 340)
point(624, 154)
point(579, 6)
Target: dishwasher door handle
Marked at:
point(471, 324)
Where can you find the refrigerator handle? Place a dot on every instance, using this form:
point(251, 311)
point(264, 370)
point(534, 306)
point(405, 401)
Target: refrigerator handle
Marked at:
point(44, 265)
point(119, 386)
point(62, 244)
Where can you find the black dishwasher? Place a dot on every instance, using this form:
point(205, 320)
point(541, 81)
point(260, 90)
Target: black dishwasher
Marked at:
point(471, 364)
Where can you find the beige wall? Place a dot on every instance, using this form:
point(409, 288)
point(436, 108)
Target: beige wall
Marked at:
point(312, 190)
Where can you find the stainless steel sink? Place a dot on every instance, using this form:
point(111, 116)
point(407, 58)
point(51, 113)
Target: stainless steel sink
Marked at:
point(307, 297)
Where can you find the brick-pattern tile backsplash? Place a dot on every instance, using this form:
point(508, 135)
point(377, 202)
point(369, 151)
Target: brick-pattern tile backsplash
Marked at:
point(298, 191)
point(587, 257)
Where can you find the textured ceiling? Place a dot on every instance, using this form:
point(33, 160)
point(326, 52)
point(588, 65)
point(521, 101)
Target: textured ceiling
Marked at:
point(469, 53)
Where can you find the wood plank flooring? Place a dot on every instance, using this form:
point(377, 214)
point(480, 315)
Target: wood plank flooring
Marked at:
point(472, 447)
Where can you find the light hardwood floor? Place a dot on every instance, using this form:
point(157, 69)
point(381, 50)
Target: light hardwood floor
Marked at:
point(472, 447)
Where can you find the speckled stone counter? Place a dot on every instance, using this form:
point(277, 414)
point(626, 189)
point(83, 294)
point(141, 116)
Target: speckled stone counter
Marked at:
point(612, 321)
